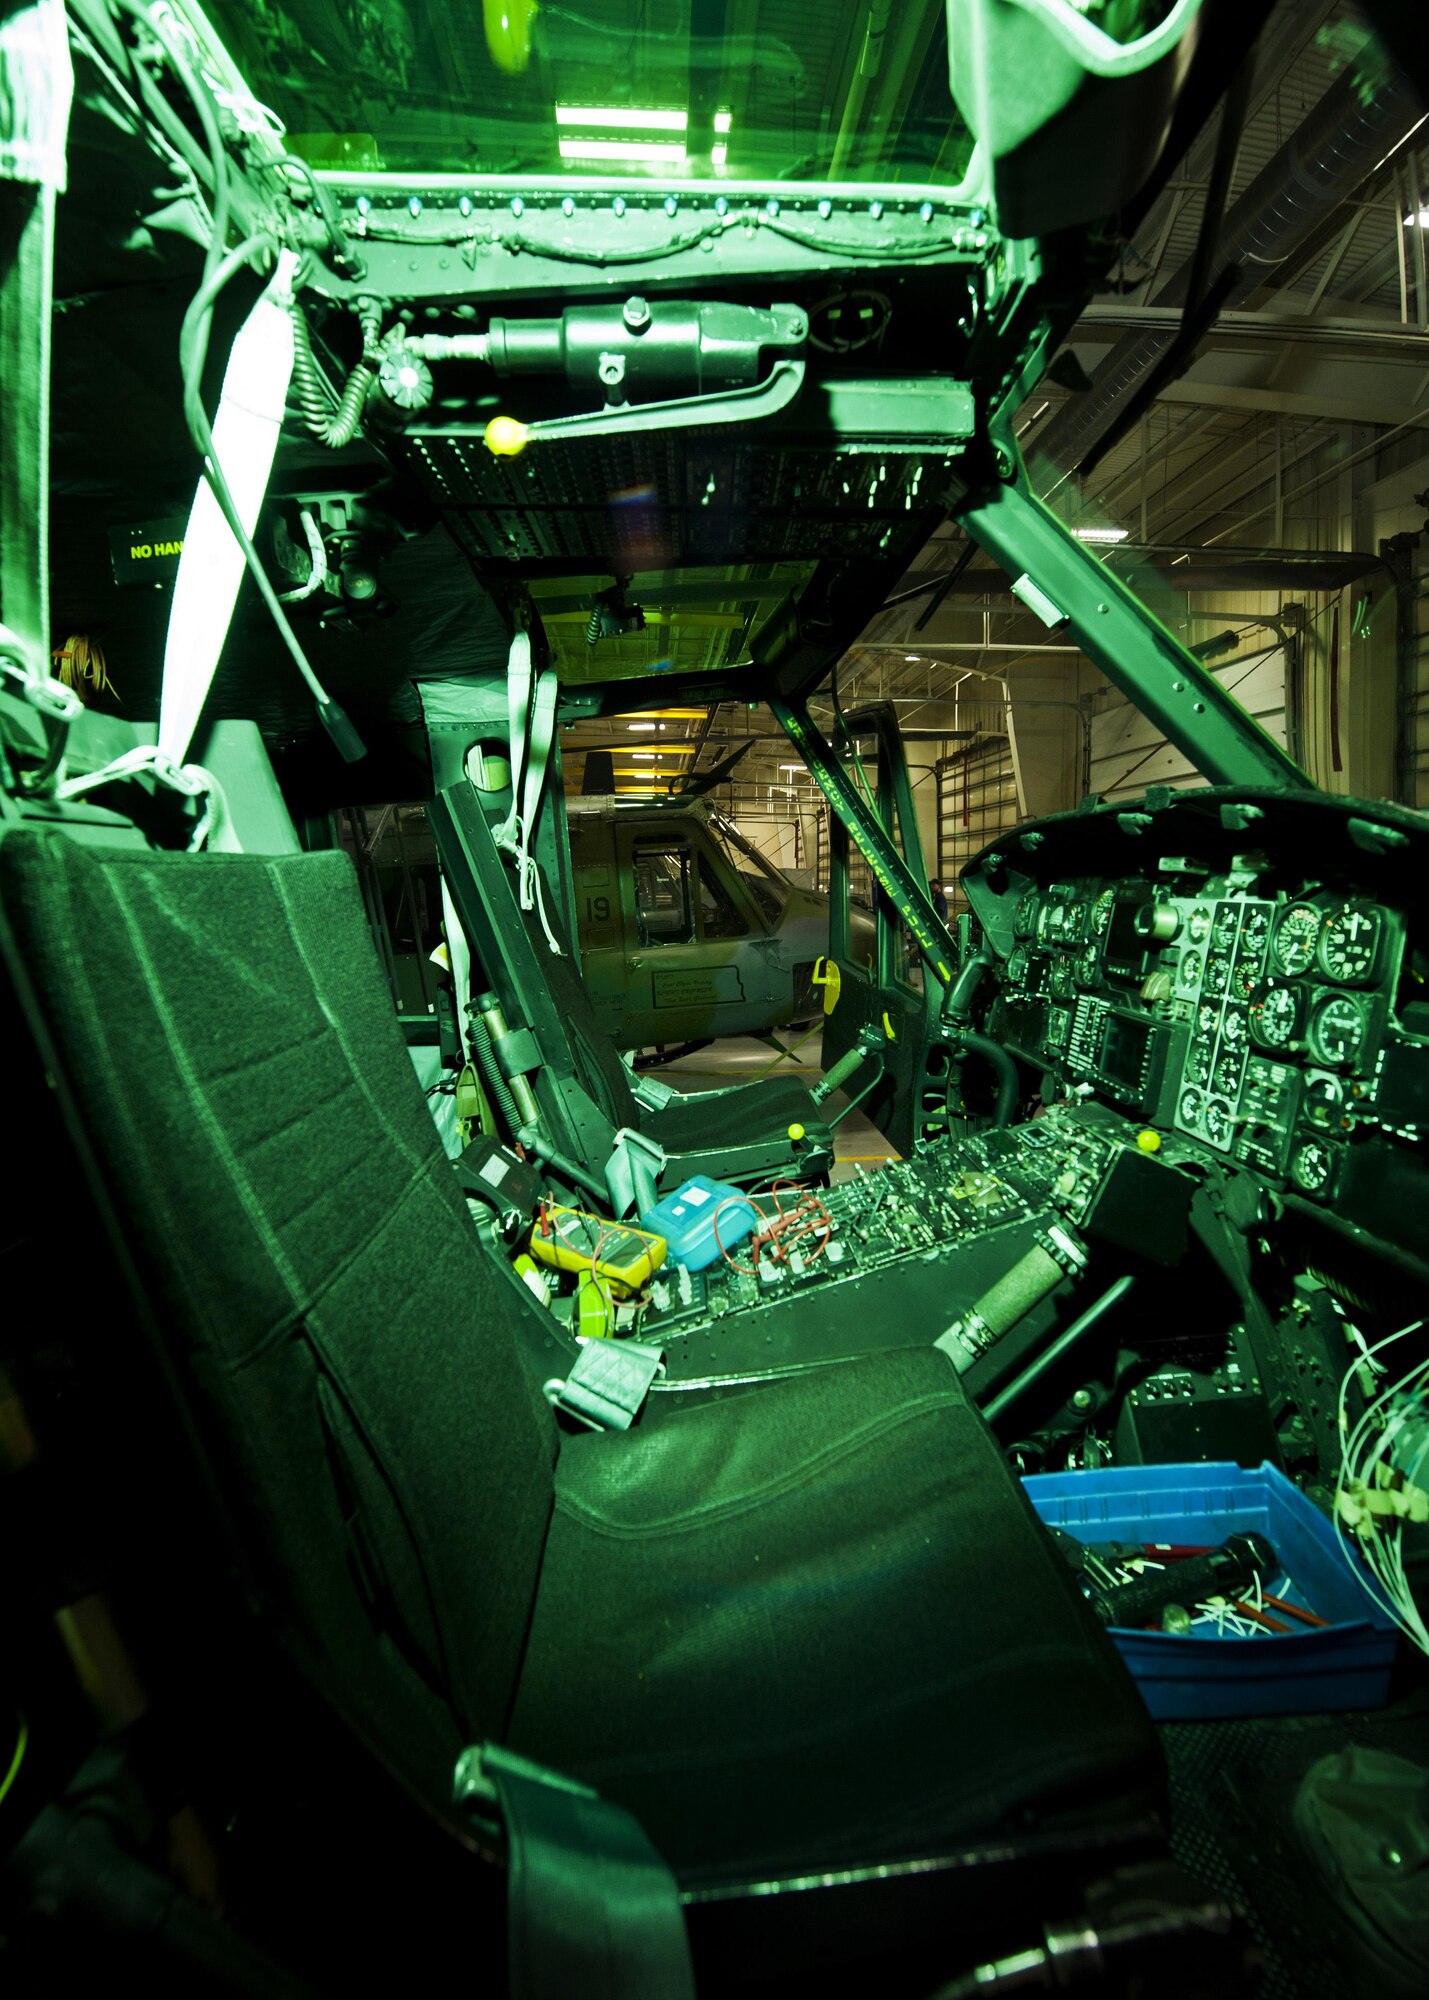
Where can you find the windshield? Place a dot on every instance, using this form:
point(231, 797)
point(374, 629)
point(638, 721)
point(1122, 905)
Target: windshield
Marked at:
point(838, 90)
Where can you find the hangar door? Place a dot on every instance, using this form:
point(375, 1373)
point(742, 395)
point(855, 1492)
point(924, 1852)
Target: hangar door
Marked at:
point(977, 800)
point(1129, 752)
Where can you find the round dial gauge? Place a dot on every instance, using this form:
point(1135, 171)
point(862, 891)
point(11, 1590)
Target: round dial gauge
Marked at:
point(1101, 913)
point(1218, 972)
point(1254, 930)
point(1189, 1109)
point(1017, 965)
point(1310, 1166)
point(1063, 978)
point(1218, 1121)
point(1339, 1029)
point(1292, 949)
point(1228, 1075)
point(1198, 924)
point(1274, 1016)
point(1208, 1020)
point(1089, 966)
point(1188, 972)
point(1323, 1103)
point(1348, 944)
point(1198, 1063)
point(1224, 929)
point(1233, 1028)
point(1024, 917)
point(1245, 978)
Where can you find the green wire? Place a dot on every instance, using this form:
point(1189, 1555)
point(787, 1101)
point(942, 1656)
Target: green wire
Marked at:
point(22, 1744)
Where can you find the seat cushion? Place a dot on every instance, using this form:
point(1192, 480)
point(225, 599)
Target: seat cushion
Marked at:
point(745, 1115)
point(816, 1623)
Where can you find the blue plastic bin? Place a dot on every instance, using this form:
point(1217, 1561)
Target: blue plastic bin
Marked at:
point(1344, 1665)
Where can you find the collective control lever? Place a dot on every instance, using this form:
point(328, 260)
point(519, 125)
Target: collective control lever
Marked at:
point(1057, 1252)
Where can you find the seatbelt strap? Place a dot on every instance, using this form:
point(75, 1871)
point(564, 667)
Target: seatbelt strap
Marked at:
point(592, 1910)
point(36, 91)
point(245, 439)
point(609, 1383)
point(531, 727)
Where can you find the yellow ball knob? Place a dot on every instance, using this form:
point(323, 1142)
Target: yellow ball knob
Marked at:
point(505, 436)
point(796, 1133)
point(1149, 1141)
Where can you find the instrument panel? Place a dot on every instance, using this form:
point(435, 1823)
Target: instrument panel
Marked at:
point(1266, 1014)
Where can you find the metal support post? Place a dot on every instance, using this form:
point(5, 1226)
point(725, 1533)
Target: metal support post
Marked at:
point(1072, 591)
point(893, 875)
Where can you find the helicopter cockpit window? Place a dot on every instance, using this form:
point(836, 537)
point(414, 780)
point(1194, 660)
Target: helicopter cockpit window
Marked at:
point(662, 895)
point(610, 87)
point(670, 886)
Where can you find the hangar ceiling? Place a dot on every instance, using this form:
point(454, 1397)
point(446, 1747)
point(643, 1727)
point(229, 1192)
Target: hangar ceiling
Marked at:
point(1233, 492)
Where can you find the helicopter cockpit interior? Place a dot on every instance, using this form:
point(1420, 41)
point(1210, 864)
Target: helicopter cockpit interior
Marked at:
point(473, 1507)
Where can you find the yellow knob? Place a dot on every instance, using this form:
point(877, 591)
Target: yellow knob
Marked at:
point(1149, 1141)
point(505, 436)
point(796, 1133)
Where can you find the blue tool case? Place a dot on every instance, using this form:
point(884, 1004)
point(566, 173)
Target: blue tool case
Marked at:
point(1343, 1664)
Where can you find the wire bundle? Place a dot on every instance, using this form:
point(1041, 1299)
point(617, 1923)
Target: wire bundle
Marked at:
point(81, 666)
point(1366, 1489)
point(807, 1223)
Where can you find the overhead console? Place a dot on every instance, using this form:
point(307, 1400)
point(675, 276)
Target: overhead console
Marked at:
point(1243, 969)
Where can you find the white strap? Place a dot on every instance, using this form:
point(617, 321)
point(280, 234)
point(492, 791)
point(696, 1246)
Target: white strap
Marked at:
point(532, 728)
point(245, 438)
point(148, 760)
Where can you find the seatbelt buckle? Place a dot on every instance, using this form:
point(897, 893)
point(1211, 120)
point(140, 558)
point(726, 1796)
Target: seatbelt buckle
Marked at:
point(607, 1387)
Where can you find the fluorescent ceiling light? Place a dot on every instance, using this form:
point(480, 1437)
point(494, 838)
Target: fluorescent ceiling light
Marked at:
point(624, 118)
point(642, 725)
point(1419, 221)
point(722, 122)
point(718, 155)
point(640, 152)
point(642, 753)
point(1100, 534)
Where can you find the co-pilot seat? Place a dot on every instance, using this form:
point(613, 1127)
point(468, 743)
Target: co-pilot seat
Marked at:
point(810, 1625)
point(752, 1132)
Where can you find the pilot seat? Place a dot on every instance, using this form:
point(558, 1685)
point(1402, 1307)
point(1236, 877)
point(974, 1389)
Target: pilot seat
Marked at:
point(795, 1629)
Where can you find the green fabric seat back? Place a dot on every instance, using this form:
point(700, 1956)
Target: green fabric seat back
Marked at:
point(348, 1350)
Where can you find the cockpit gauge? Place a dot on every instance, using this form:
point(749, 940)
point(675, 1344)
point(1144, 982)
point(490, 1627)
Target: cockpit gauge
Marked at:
point(1292, 949)
point(1311, 1165)
point(1218, 972)
point(1275, 1016)
point(1024, 917)
point(1246, 977)
point(1089, 966)
point(1188, 972)
point(1228, 1075)
point(1208, 1020)
point(1324, 1101)
point(1217, 1118)
point(1223, 930)
point(1190, 1107)
point(1017, 965)
point(1102, 910)
point(1339, 1029)
point(1254, 930)
point(1233, 1028)
point(1198, 924)
point(1349, 944)
point(1197, 1068)
point(1063, 977)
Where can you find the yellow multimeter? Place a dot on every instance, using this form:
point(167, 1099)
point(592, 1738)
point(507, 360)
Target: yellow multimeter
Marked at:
point(571, 1239)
